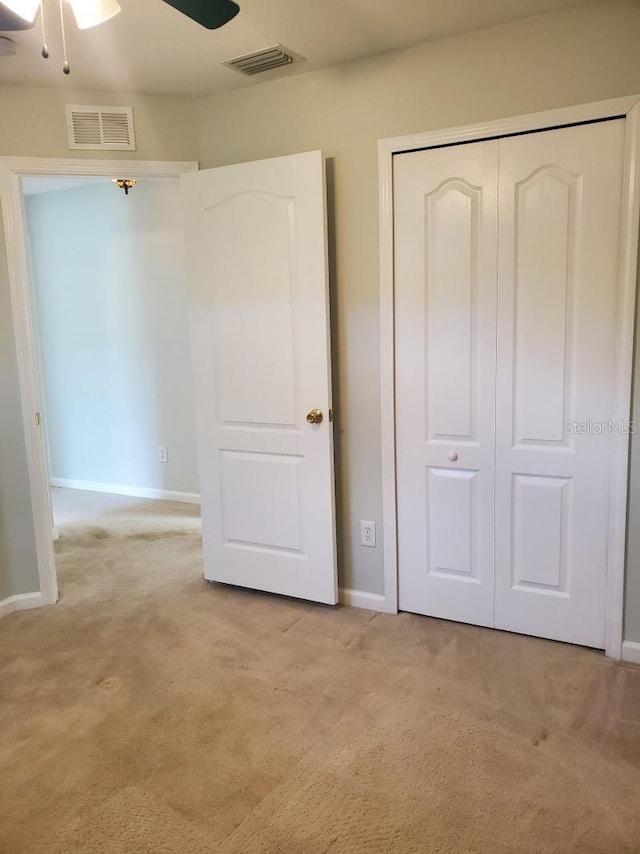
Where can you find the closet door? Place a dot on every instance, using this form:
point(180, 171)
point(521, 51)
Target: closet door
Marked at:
point(560, 203)
point(445, 277)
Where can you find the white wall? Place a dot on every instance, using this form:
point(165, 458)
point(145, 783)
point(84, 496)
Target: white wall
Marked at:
point(108, 272)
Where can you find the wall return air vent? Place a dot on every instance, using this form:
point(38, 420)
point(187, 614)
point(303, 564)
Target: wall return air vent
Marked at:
point(100, 128)
point(277, 56)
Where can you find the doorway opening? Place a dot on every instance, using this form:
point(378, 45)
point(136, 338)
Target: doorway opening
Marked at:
point(110, 299)
point(102, 328)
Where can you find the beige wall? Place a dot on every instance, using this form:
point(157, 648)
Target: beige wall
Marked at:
point(576, 56)
point(632, 587)
point(33, 125)
point(581, 55)
point(18, 573)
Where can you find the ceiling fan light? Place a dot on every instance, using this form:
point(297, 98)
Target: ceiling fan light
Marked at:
point(26, 9)
point(90, 13)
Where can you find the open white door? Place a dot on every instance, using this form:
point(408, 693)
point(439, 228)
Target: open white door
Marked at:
point(255, 239)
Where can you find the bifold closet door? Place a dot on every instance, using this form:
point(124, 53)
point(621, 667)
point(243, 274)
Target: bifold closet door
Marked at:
point(445, 278)
point(559, 238)
point(506, 297)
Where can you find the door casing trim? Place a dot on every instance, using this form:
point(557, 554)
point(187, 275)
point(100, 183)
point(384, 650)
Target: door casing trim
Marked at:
point(12, 170)
point(627, 108)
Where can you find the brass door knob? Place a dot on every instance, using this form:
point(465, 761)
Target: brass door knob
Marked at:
point(314, 417)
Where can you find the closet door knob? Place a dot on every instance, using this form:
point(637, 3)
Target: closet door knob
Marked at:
point(453, 456)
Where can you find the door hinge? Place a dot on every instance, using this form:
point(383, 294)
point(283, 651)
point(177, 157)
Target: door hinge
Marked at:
point(38, 419)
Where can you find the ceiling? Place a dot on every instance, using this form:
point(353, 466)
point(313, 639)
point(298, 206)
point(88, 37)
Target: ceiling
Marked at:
point(151, 48)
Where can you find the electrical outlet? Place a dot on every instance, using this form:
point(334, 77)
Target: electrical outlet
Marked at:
point(368, 534)
point(162, 454)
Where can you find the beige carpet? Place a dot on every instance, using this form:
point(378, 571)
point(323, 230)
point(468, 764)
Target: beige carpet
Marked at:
point(151, 712)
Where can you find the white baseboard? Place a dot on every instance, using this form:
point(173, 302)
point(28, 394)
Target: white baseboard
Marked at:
point(132, 491)
point(631, 652)
point(21, 602)
point(362, 599)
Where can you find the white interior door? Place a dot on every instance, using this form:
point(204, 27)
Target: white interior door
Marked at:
point(445, 278)
point(559, 237)
point(256, 253)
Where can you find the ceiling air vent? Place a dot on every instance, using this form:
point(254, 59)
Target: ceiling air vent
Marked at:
point(100, 128)
point(263, 60)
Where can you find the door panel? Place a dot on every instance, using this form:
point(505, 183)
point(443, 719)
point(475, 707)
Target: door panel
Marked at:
point(541, 514)
point(261, 500)
point(445, 274)
point(559, 202)
point(451, 219)
point(451, 507)
point(256, 249)
point(249, 244)
point(546, 206)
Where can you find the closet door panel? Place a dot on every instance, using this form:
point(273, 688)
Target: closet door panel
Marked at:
point(445, 275)
point(559, 220)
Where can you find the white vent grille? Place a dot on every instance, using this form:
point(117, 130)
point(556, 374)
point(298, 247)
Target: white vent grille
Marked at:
point(263, 60)
point(100, 128)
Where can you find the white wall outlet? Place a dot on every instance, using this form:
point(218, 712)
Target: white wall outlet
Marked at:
point(162, 454)
point(368, 534)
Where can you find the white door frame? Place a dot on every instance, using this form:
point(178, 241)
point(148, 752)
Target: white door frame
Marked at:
point(12, 170)
point(627, 108)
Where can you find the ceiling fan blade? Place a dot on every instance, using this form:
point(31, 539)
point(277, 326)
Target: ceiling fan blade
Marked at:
point(10, 22)
point(209, 13)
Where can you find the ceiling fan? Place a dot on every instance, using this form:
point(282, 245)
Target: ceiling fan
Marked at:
point(11, 21)
point(209, 13)
point(21, 14)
